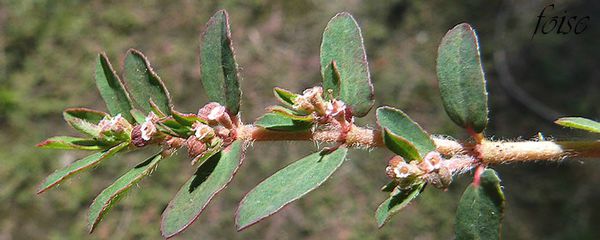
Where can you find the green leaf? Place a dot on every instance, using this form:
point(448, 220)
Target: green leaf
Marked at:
point(69, 143)
point(186, 119)
point(334, 82)
point(343, 43)
point(217, 64)
point(402, 135)
point(144, 84)
point(290, 113)
point(138, 116)
point(287, 185)
point(286, 97)
point(113, 193)
point(389, 187)
point(480, 209)
point(400, 146)
point(277, 122)
point(395, 203)
point(112, 90)
point(579, 123)
point(78, 166)
point(173, 127)
point(84, 120)
point(210, 178)
point(461, 78)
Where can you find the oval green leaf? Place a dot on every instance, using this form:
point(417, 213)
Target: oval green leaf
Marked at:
point(219, 71)
point(84, 120)
point(290, 113)
point(285, 97)
point(278, 122)
point(402, 135)
point(287, 185)
point(395, 203)
point(400, 146)
point(78, 166)
point(480, 210)
point(113, 193)
point(70, 143)
point(186, 119)
point(144, 84)
point(112, 90)
point(461, 78)
point(210, 178)
point(343, 44)
point(579, 123)
point(138, 116)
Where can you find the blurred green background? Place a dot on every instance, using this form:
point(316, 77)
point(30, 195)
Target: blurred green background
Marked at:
point(47, 57)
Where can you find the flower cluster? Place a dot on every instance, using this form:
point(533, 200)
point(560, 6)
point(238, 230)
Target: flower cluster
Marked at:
point(214, 130)
point(333, 111)
point(114, 129)
point(433, 169)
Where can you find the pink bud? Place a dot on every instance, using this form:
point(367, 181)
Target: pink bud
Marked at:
point(207, 109)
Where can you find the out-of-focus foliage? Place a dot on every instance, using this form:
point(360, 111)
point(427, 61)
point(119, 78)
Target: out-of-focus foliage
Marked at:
point(49, 50)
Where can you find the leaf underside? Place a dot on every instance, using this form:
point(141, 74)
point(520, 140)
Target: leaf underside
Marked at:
point(579, 123)
point(461, 78)
point(480, 210)
point(78, 166)
point(278, 122)
point(287, 185)
point(402, 135)
point(395, 203)
point(113, 193)
point(70, 143)
point(343, 44)
point(210, 178)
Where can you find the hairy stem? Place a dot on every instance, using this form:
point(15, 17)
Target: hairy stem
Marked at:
point(490, 152)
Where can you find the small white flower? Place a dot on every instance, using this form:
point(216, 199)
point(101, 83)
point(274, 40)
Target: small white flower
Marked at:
point(431, 162)
point(302, 103)
point(335, 108)
point(202, 131)
point(148, 129)
point(403, 170)
point(313, 92)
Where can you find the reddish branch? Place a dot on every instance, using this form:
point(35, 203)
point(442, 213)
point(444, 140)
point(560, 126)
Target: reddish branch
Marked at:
point(491, 152)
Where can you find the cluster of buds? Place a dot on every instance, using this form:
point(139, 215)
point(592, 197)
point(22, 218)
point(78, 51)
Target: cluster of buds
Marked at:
point(218, 131)
point(143, 134)
point(433, 170)
point(333, 111)
point(114, 129)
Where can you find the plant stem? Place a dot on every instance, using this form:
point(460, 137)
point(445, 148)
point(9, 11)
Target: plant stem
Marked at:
point(492, 152)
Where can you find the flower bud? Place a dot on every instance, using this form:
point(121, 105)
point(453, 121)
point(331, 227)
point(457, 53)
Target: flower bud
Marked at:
point(207, 109)
point(440, 179)
point(195, 147)
point(216, 113)
point(174, 142)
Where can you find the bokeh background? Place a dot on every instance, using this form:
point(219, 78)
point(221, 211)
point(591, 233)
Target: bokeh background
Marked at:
point(47, 57)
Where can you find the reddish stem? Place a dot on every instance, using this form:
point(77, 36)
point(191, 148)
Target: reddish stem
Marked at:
point(477, 177)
